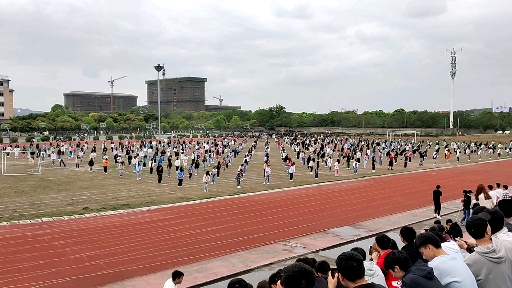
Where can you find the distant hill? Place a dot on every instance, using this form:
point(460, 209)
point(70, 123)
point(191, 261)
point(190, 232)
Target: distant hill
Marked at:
point(23, 111)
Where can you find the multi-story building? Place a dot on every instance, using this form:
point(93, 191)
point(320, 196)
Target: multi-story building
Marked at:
point(99, 101)
point(6, 99)
point(177, 94)
point(219, 108)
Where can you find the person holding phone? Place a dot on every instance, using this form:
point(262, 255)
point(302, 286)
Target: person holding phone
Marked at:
point(350, 272)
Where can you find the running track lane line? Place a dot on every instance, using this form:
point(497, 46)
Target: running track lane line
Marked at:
point(279, 222)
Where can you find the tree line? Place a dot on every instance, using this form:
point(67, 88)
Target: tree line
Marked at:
point(142, 118)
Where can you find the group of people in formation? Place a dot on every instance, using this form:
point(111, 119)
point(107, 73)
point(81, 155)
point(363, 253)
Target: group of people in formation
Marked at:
point(187, 156)
point(335, 152)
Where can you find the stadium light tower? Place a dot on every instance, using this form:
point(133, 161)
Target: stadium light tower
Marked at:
point(158, 69)
point(453, 72)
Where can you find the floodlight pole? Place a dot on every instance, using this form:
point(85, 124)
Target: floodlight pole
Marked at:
point(159, 68)
point(453, 72)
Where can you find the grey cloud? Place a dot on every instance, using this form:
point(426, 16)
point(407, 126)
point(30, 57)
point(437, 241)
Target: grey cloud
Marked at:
point(425, 9)
point(299, 11)
point(263, 57)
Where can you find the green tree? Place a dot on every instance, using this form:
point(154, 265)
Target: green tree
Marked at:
point(65, 123)
point(219, 122)
point(58, 109)
point(235, 123)
point(165, 127)
point(110, 125)
point(141, 110)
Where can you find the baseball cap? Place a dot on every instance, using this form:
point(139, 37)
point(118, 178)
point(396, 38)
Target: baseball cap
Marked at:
point(476, 225)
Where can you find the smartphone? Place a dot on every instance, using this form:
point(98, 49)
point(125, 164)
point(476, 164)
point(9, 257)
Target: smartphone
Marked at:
point(333, 272)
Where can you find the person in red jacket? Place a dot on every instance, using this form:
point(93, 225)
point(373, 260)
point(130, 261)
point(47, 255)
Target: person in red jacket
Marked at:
point(382, 246)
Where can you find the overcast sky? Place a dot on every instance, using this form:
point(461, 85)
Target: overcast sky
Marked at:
point(310, 56)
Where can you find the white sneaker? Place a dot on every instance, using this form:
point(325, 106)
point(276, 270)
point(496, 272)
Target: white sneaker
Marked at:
point(238, 187)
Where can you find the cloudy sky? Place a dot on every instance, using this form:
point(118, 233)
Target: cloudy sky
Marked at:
point(317, 55)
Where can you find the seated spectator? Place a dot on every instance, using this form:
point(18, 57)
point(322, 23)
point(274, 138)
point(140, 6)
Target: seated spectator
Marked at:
point(437, 222)
point(418, 275)
point(311, 262)
point(263, 284)
point(274, 278)
point(176, 279)
point(372, 272)
point(297, 275)
point(449, 246)
point(351, 272)
point(491, 263)
point(322, 269)
point(506, 193)
point(455, 231)
point(238, 283)
point(382, 247)
point(451, 270)
point(505, 207)
point(407, 235)
point(497, 224)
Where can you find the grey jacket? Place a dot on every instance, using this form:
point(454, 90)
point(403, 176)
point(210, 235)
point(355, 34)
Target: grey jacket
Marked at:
point(491, 264)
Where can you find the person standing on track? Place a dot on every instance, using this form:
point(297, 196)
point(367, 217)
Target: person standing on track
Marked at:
point(436, 195)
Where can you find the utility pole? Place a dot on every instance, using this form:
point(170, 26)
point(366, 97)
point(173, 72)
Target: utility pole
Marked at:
point(111, 82)
point(453, 72)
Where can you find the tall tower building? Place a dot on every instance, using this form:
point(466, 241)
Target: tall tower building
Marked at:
point(177, 94)
point(6, 99)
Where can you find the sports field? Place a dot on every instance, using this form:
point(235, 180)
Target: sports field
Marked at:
point(60, 191)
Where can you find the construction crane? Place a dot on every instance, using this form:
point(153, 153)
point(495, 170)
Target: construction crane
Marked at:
point(220, 99)
point(111, 82)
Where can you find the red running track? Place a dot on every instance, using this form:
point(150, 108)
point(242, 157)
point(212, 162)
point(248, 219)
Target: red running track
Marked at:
point(90, 252)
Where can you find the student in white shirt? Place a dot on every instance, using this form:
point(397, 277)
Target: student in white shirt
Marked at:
point(497, 194)
point(450, 269)
point(175, 280)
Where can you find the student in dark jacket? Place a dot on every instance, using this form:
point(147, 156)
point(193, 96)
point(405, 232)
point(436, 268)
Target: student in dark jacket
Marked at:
point(407, 235)
point(419, 275)
point(159, 172)
point(322, 269)
point(466, 205)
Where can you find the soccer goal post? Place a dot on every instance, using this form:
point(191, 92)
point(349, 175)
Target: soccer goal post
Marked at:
point(390, 134)
point(20, 163)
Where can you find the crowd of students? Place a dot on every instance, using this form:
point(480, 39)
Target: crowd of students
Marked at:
point(431, 258)
point(355, 153)
point(186, 155)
